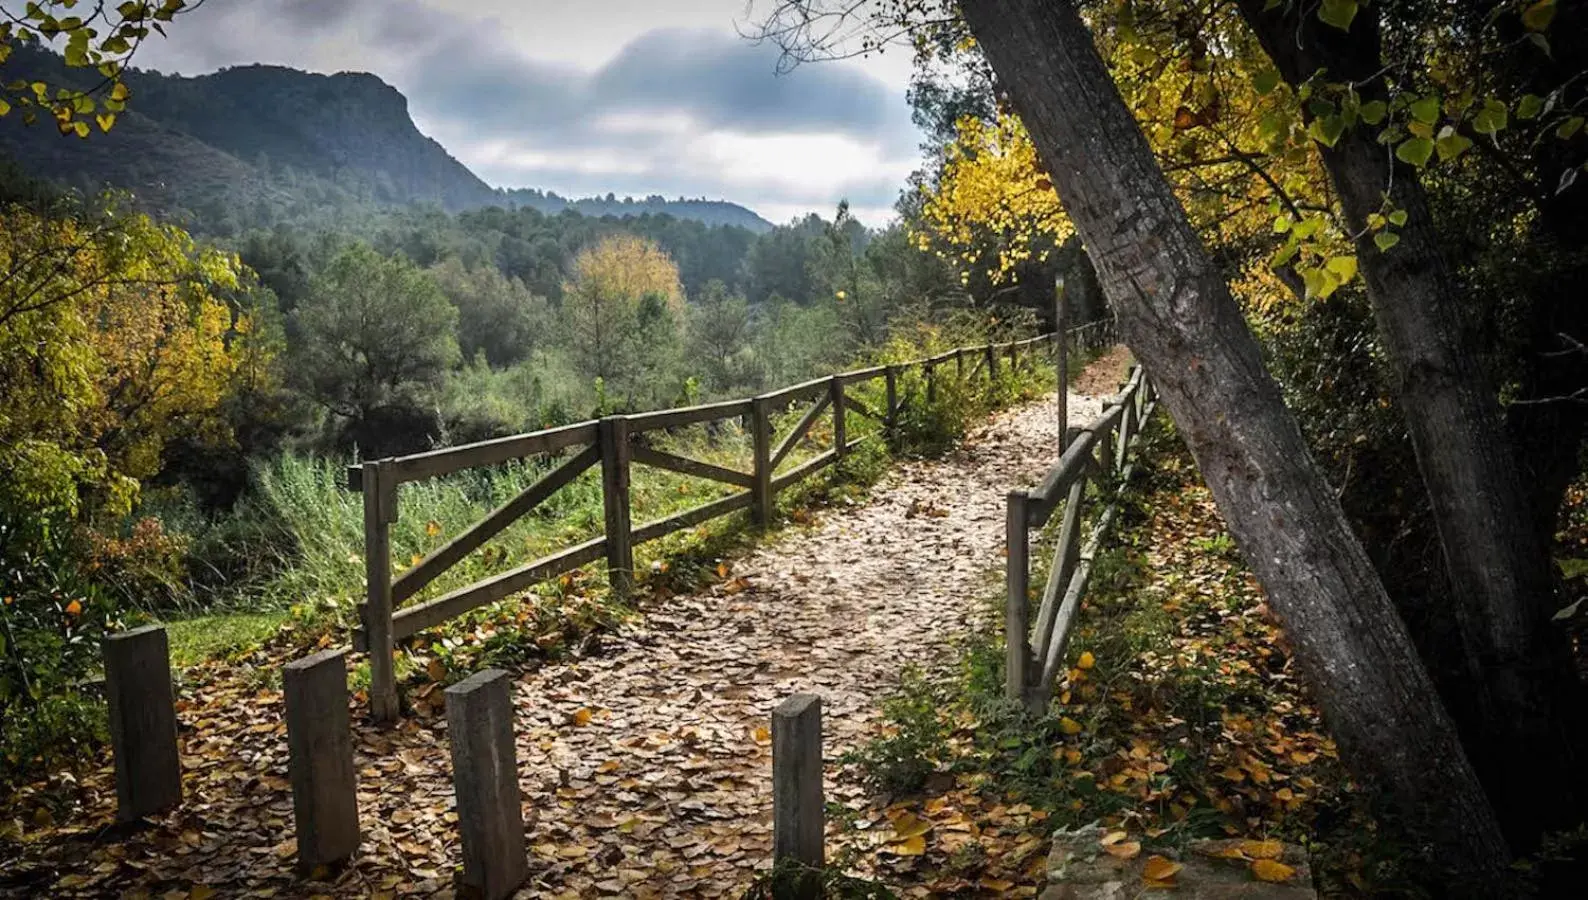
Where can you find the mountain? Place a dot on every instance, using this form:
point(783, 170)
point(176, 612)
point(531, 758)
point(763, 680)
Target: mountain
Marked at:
point(254, 145)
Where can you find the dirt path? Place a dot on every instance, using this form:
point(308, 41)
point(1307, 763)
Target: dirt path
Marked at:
point(646, 770)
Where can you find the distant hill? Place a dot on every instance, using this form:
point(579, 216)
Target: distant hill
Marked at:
point(254, 145)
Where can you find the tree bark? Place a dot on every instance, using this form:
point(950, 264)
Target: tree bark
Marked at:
point(1179, 318)
point(1519, 733)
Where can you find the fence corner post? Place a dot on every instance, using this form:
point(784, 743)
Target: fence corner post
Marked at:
point(798, 819)
point(835, 398)
point(485, 783)
point(142, 713)
point(613, 435)
point(1017, 610)
point(380, 510)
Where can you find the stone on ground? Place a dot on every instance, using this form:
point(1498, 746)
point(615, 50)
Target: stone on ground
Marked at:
point(1080, 868)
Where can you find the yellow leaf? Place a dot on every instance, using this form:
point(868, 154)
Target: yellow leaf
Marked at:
point(436, 670)
point(581, 717)
point(1086, 661)
point(914, 846)
point(1124, 850)
point(1069, 725)
point(722, 570)
point(200, 892)
point(909, 825)
point(74, 608)
point(432, 528)
point(1113, 837)
point(762, 735)
point(1262, 849)
point(1271, 870)
point(1159, 868)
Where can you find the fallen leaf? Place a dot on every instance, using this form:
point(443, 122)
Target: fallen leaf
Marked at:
point(909, 825)
point(1261, 849)
point(1124, 850)
point(582, 716)
point(1086, 660)
point(1160, 868)
point(914, 846)
point(1069, 725)
point(1113, 837)
point(1271, 870)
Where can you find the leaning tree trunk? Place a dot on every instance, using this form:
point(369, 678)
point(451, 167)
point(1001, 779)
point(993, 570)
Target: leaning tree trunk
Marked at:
point(1521, 730)
point(1178, 316)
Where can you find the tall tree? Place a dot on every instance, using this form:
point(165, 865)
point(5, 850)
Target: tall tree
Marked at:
point(1178, 315)
point(622, 305)
point(1523, 727)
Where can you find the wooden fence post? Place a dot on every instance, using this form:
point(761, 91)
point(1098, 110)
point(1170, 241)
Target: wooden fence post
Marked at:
point(380, 510)
point(142, 721)
point(835, 398)
point(320, 759)
point(485, 782)
point(931, 384)
point(890, 378)
point(1017, 609)
point(1061, 345)
point(992, 364)
point(959, 363)
point(613, 432)
point(797, 814)
point(761, 434)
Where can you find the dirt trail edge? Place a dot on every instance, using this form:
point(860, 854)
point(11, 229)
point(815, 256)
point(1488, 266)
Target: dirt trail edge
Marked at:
point(646, 770)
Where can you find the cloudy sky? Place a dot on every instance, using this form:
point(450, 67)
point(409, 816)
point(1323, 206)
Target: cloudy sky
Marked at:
point(589, 96)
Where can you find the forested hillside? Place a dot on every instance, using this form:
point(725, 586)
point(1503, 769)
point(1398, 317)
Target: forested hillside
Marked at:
point(254, 146)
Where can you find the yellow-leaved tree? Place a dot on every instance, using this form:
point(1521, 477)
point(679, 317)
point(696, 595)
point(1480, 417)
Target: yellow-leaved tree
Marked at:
point(623, 309)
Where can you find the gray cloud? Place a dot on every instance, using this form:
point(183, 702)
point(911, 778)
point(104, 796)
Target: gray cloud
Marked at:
point(674, 111)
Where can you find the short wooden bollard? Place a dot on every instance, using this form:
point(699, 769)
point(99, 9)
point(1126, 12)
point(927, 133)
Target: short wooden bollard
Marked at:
point(142, 722)
point(797, 814)
point(485, 779)
point(320, 757)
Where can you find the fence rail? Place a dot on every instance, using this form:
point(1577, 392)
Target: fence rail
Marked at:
point(1098, 454)
point(616, 444)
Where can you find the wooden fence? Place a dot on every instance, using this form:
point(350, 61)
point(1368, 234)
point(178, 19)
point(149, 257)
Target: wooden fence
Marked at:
point(1097, 454)
point(616, 444)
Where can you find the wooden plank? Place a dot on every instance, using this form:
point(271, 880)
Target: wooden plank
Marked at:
point(981, 361)
point(650, 456)
point(800, 429)
point(689, 415)
point(1072, 601)
point(1017, 608)
point(488, 453)
point(803, 389)
point(862, 374)
point(380, 501)
point(761, 437)
point(809, 466)
point(1065, 554)
point(446, 556)
point(860, 407)
point(420, 616)
point(705, 512)
point(798, 813)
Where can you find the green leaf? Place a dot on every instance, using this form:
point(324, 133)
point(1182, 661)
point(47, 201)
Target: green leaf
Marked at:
point(1373, 111)
point(1491, 119)
point(1385, 240)
point(1338, 13)
point(1266, 81)
point(1327, 130)
point(1452, 145)
point(1343, 267)
point(1426, 109)
point(1307, 227)
point(1569, 127)
point(1281, 225)
point(1529, 106)
point(1415, 151)
point(1398, 218)
point(4, 106)
point(1538, 16)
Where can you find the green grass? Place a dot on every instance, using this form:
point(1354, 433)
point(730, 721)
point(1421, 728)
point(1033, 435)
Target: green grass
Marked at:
point(204, 637)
